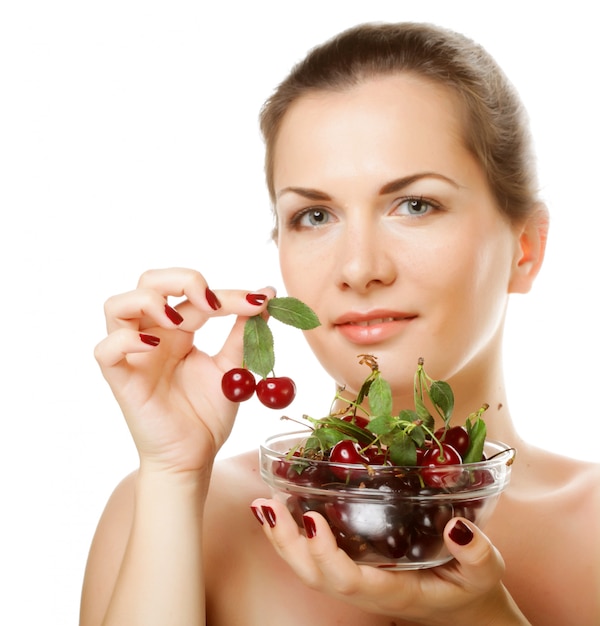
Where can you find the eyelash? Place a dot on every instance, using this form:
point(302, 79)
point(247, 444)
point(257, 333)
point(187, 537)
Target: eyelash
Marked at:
point(420, 200)
point(295, 220)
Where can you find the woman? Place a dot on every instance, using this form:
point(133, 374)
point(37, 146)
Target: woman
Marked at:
point(399, 168)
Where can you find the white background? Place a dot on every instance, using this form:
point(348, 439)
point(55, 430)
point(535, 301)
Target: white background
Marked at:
point(129, 140)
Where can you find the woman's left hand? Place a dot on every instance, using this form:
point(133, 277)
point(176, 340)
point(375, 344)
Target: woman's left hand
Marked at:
point(467, 590)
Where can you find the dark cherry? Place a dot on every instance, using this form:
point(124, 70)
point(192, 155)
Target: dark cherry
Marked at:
point(457, 437)
point(432, 518)
point(238, 384)
point(276, 392)
point(302, 471)
point(423, 546)
point(395, 544)
point(353, 545)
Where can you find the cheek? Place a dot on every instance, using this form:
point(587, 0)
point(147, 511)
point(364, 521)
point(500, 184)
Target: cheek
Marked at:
point(303, 269)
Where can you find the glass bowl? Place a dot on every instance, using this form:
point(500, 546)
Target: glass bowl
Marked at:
point(386, 516)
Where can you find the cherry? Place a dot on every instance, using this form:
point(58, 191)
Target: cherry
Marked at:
point(238, 384)
point(347, 451)
point(276, 392)
point(456, 436)
point(357, 420)
point(438, 457)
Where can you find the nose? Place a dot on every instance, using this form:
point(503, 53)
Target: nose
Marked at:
point(364, 261)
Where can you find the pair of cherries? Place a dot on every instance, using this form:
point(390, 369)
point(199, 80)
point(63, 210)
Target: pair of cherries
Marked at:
point(275, 392)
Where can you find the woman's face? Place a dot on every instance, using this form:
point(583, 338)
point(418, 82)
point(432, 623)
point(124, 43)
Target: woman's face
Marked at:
point(388, 229)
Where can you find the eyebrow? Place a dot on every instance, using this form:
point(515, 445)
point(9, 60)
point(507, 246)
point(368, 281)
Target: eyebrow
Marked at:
point(392, 187)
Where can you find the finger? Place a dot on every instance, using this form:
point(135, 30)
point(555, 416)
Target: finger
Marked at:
point(190, 284)
point(231, 302)
point(478, 562)
point(147, 305)
point(285, 536)
point(114, 349)
point(344, 577)
point(140, 309)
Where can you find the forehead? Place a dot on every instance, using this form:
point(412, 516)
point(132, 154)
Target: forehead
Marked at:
point(403, 118)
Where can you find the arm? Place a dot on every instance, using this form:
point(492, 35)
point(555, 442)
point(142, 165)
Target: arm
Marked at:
point(145, 564)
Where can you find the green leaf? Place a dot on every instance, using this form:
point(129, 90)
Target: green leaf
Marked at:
point(417, 434)
point(382, 425)
point(477, 433)
point(403, 450)
point(442, 396)
point(380, 397)
point(328, 437)
point(293, 312)
point(421, 409)
point(259, 353)
point(408, 415)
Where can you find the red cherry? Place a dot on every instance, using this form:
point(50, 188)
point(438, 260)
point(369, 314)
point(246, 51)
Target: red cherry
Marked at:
point(456, 436)
point(238, 384)
point(276, 392)
point(357, 420)
point(437, 458)
point(347, 451)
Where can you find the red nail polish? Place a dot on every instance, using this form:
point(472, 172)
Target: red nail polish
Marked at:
point(256, 298)
point(173, 315)
point(309, 526)
point(461, 533)
point(269, 514)
point(257, 514)
point(213, 301)
point(151, 340)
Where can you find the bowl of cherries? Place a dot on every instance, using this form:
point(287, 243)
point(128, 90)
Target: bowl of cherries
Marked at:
point(388, 482)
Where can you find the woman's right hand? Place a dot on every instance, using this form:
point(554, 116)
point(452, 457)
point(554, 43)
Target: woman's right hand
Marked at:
point(169, 391)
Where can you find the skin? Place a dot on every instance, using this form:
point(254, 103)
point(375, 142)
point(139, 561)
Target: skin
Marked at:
point(350, 248)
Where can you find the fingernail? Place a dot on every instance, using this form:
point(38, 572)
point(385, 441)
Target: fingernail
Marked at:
point(173, 315)
point(151, 340)
point(213, 301)
point(461, 533)
point(257, 514)
point(309, 526)
point(269, 514)
point(256, 298)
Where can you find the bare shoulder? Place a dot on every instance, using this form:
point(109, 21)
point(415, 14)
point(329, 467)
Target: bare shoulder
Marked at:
point(546, 530)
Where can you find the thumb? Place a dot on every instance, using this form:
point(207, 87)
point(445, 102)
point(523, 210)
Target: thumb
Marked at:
point(479, 563)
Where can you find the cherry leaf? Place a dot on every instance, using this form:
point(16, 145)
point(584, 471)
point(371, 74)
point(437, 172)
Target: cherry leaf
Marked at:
point(403, 450)
point(293, 312)
point(259, 352)
point(380, 397)
point(477, 432)
point(442, 396)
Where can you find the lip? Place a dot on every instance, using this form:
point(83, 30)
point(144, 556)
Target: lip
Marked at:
point(372, 327)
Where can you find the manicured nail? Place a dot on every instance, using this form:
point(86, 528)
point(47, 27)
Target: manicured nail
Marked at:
point(213, 301)
point(173, 315)
point(309, 526)
point(151, 340)
point(256, 298)
point(257, 514)
point(269, 514)
point(461, 533)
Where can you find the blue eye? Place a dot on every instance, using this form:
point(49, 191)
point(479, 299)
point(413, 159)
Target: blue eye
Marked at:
point(416, 206)
point(311, 218)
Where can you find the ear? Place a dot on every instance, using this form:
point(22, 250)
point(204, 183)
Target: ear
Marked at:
point(530, 250)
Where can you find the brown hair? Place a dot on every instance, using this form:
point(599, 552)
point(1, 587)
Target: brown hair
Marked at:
point(496, 131)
